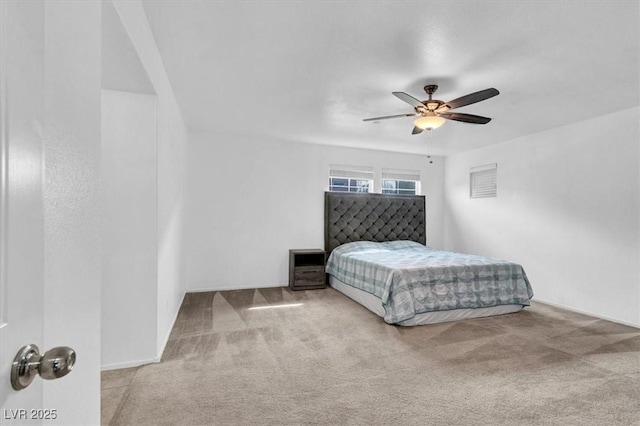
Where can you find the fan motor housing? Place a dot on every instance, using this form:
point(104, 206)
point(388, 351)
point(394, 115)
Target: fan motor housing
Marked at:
point(430, 88)
point(430, 104)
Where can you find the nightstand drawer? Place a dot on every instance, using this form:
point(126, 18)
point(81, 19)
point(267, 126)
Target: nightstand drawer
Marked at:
point(309, 276)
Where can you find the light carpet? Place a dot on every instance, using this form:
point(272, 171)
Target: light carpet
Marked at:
point(327, 360)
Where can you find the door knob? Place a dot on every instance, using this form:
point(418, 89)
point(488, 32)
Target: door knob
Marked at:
point(28, 363)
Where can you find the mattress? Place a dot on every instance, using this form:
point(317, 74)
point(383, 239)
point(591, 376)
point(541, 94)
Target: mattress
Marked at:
point(410, 279)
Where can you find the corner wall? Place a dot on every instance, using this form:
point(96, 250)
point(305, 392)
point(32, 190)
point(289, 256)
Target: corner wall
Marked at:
point(250, 201)
point(567, 210)
point(129, 237)
point(171, 148)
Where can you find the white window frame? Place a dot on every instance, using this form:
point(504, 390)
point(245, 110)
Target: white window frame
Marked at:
point(351, 173)
point(397, 176)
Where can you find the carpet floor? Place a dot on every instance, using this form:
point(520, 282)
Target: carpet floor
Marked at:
point(327, 360)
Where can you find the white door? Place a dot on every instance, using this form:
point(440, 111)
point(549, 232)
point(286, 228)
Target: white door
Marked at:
point(22, 226)
point(50, 68)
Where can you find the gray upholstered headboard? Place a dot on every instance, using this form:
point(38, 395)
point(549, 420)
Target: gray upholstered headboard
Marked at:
point(356, 216)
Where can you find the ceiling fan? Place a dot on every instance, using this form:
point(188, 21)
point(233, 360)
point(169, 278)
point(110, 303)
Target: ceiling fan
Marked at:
point(432, 113)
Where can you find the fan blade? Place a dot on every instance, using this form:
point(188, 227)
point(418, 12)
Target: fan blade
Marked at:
point(467, 118)
point(416, 130)
point(408, 99)
point(470, 99)
point(388, 116)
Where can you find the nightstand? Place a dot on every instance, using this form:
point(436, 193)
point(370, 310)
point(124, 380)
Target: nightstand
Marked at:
point(306, 269)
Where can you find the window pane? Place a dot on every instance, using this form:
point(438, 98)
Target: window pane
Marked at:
point(358, 185)
point(358, 189)
point(339, 181)
point(389, 184)
point(407, 184)
point(338, 184)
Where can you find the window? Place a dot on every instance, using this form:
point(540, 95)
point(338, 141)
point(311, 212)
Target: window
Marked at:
point(350, 178)
point(483, 181)
point(404, 182)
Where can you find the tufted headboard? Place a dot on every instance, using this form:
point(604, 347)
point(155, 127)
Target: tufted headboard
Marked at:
point(356, 216)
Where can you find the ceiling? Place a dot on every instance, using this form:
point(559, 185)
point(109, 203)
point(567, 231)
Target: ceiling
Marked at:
point(310, 71)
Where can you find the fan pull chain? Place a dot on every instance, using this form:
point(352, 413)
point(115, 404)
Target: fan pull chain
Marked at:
point(430, 147)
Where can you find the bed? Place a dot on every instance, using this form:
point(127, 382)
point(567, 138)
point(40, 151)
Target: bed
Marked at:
point(377, 256)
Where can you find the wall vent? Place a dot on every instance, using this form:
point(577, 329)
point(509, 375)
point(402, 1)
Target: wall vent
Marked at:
point(483, 181)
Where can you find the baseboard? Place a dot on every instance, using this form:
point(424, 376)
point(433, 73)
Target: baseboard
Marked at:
point(591, 314)
point(248, 287)
point(129, 364)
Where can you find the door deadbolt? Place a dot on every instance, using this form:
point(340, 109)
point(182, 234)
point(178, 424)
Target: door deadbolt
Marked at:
point(28, 363)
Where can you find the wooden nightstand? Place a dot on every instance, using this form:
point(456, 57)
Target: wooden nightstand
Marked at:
point(306, 269)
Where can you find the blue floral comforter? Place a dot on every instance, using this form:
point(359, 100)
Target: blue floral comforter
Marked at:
point(411, 279)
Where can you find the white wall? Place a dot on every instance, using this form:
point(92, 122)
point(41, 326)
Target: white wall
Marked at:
point(171, 171)
point(71, 141)
point(121, 66)
point(129, 237)
point(250, 201)
point(567, 209)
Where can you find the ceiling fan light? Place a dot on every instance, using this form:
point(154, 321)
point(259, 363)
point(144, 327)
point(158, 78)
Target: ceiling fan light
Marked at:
point(429, 122)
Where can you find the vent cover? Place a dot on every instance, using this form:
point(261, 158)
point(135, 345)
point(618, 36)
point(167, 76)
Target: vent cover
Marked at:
point(483, 181)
